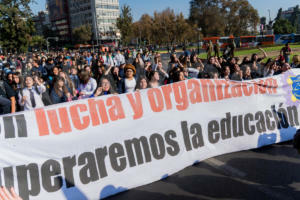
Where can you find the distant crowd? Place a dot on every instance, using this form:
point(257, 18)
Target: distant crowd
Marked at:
point(39, 79)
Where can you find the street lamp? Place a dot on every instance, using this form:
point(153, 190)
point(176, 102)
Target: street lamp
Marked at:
point(199, 30)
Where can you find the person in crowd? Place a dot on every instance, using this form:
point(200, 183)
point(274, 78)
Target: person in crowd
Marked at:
point(87, 85)
point(226, 73)
point(212, 66)
point(36, 68)
point(154, 79)
point(209, 49)
point(7, 98)
point(30, 96)
point(270, 68)
point(247, 73)
point(74, 77)
point(179, 76)
point(174, 63)
point(104, 88)
point(49, 65)
point(296, 61)
point(286, 52)
point(119, 58)
point(232, 48)
point(89, 58)
point(128, 83)
point(60, 93)
point(68, 83)
point(109, 60)
point(140, 66)
point(9, 78)
point(17, 85)
point(142, 83)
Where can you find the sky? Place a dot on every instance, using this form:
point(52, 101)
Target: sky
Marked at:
point(139, 7)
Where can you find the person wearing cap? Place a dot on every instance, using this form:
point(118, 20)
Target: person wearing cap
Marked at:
point(128, 84)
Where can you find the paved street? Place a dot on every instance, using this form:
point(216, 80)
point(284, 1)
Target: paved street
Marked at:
point(271, 172)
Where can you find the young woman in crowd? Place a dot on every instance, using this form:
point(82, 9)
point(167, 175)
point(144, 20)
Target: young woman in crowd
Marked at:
point(296, 61)
point(154, 79)
point(17, 86)
point(87, 86)
point(74, 77)
point(247, 73)
point(104, 88)
point(128, 83)
point(142, 83)
point(68, 83)
point(60, 93)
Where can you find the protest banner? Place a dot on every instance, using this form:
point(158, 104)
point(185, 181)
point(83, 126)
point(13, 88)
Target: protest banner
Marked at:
point(94, 148)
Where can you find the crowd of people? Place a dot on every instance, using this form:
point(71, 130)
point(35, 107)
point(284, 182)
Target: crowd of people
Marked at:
point(39, 79)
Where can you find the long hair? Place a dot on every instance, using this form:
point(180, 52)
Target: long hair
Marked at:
point(84, 77)
point(21, 82)
point(111, 90)
point(56, 87)
point(69, 82)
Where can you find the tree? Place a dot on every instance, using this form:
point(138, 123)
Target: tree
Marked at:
point(240, 17)
point(82, 34)
point(145, 28)
point(164, 26)
point(279, 14)
point(207, 14)
point(294, 17)
point(16, 25)
point(183, 29)
point(283, 26)
point(124, 23)
point(224, 17)
point(38, 41)
point(263, 21)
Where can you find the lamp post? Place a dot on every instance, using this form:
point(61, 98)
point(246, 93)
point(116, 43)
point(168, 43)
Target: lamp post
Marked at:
point(199, 30)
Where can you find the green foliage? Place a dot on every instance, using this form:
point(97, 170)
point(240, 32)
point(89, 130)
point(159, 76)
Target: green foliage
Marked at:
point(224, 17)
point(263, 20)
point(82, 34)
point(124, 23)
point(294, 17)
point(16, 25)
point(279, 14)
point(283, 26)
point(164, 27)
point(38, 41)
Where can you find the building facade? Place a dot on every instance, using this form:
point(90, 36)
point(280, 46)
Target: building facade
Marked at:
point(59, 18)
point(100, 14)
point(41, 20)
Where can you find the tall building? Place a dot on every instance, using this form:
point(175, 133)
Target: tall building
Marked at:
point(41, 20)
point(288, 14)
point(100, 14)
point(59, 18)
